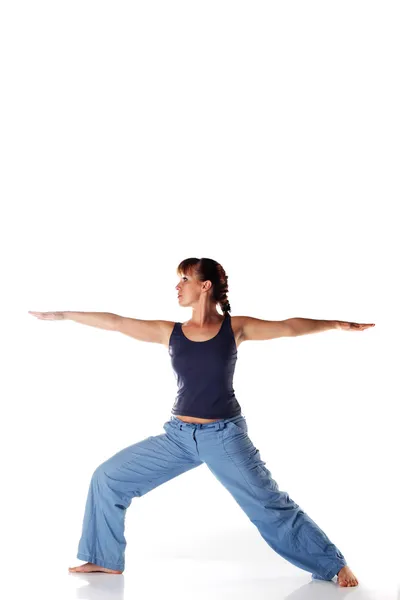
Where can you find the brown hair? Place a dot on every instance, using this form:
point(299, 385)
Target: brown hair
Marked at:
point(206, 269)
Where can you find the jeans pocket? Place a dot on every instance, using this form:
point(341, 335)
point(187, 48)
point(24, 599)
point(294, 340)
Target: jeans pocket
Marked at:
point(168, 426)
point(240, 425)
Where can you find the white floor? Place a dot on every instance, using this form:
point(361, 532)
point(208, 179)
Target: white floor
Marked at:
point(181, 579)
point(185, 578)
point(191, 577)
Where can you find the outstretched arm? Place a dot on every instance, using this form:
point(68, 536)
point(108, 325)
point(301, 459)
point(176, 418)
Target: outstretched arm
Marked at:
point(260, 329)
point(102, 320)
point(140, 329)
point(302, 326)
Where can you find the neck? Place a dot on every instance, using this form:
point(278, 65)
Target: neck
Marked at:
point(202, 318)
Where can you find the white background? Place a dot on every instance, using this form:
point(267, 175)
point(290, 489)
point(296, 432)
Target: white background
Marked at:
point(264, 136)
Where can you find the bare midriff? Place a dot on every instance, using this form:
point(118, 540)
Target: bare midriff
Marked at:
point(195, 419)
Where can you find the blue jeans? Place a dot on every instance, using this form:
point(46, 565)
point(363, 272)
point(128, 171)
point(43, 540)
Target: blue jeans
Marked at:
point(228, 452)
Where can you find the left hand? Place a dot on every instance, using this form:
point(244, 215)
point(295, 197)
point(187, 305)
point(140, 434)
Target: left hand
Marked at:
point(353, 326)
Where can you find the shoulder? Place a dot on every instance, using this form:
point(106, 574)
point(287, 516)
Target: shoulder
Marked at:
point(166, 331)
point(237, 324)
point(252, 328)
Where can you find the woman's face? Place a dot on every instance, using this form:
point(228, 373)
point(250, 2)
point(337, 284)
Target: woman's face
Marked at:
point(189, 289)
point(186, 287)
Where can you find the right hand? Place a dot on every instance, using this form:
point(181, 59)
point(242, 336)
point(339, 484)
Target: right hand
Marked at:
point(48, 316)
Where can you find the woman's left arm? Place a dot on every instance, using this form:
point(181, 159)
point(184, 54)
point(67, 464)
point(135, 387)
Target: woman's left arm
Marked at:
point(302, 326)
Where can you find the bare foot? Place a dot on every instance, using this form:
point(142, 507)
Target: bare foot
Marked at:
point(91, 568)
point(346, 577)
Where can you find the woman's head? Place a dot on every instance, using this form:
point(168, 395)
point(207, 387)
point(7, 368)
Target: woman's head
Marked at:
point(203, 275)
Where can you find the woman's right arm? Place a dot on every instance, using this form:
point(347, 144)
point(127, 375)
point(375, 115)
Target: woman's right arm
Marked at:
point(142, 330)
point(102, 320)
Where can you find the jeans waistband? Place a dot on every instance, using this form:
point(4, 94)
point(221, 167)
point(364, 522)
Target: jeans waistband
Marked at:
point(220, 424)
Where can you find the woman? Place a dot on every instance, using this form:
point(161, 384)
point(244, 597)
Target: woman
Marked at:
point(206, 426)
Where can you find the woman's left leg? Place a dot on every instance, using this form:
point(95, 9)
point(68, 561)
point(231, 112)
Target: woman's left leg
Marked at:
point(286, 528)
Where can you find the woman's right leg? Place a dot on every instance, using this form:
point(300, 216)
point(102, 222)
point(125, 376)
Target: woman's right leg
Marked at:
point(131, 472)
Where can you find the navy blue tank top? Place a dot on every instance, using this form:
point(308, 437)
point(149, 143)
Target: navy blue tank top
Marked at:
point(204, 373)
